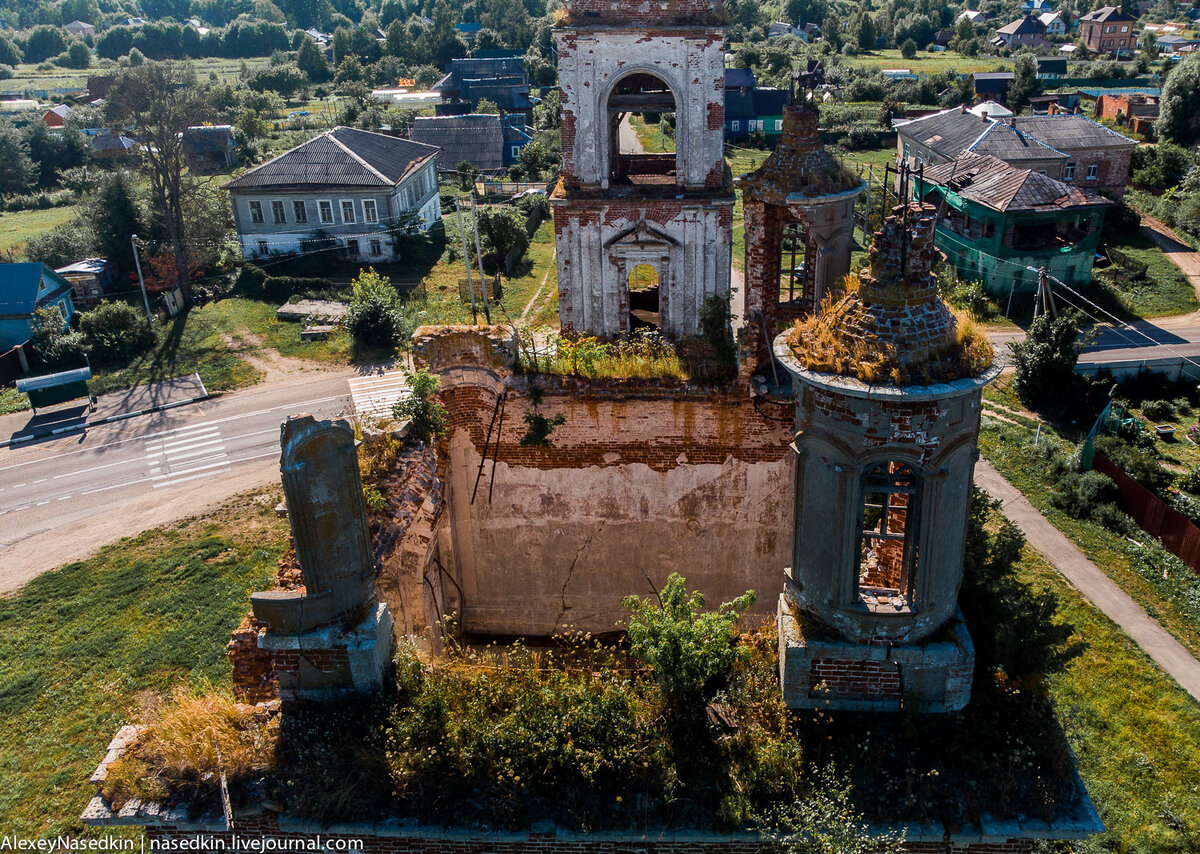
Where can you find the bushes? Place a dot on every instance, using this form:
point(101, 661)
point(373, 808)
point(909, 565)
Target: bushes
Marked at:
point(56, 345)
point(1045, 361)
point(426, 417)
point(115, 331)
point(1081, 494)
point(255, 283)
point(375, 318)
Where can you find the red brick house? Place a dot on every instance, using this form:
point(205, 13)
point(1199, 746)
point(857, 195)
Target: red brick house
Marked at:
point(1140, 110)
point(1108, 30)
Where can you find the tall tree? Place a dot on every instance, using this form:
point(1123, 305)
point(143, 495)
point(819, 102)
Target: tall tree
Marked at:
point(1178, 118)
point(1025, 83)
point(310, 60)
point(17, 169)
point(159, 100)
point(115, 219)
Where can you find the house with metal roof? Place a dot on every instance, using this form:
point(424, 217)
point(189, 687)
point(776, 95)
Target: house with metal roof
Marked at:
point(757, 111)
point(25, 287)
point(991, 85)
point(348, 189)
point(1071, 148)
point(56, 116)
point(1000, 224)
point(80, 28)
point(499, 79)
point(477, 139)
point(1054, 23)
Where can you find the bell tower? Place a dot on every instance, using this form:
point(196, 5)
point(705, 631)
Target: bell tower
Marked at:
point(643, 238)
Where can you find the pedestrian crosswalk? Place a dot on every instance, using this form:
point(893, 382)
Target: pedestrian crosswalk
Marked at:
point(374, 396)
point(186, 454)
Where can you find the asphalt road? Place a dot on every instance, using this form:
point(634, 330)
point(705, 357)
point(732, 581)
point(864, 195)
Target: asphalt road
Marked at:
point(62, 498)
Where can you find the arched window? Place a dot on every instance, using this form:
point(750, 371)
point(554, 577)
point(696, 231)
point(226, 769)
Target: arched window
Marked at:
point(641, 151)
point(888, 544)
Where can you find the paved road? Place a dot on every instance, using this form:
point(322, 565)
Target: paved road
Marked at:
point(1089, 580)
point(62, 498)
point(628, 138)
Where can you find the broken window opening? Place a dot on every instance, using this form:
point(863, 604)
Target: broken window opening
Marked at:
point(644, 291)
point(888, 552)
point(648, 96)
point(793, 265)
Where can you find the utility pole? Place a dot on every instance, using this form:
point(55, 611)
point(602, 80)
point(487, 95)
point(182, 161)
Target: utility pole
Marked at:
point(479, 257)
point(466, 261)
point(137, 261)
point(1044, 296)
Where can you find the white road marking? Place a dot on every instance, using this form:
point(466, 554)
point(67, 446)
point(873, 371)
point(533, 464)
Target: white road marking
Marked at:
point(191, 477)
point(143, 437)
point(374, 396)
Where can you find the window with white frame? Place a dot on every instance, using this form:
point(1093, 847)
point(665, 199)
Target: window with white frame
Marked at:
point(326, 209)
point(347, 210)
point(1069, 172)
point(370, 214)
point(735, 125)
point(376, 247)
point(277, 214)
point(779, 124)
point(300, 211)
point(1093, 172)
point(256, 212)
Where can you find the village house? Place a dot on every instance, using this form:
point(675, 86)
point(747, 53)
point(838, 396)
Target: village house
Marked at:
point(998, 221)
point(56, 117)
point(476, 138)
point(974, 16)
point(349, 186)
point(1108, 30)
point(25, 287)
point(210, 146)
point(757, 111)
point(1070, 148)
point(80, 28)
point(499, 79)
point(1055, 23)
point(1023, 32)
point(991, 85)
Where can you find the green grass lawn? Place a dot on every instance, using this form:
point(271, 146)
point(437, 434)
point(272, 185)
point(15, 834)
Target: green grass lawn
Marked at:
point(1134, 731)
point(27, 76)
point(17, 227)
point(1174, 602)
point(929, 63)
point(1165, 291)
point(212, 342)
point(82, 647)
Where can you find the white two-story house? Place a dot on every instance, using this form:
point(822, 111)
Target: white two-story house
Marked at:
point(353, 187)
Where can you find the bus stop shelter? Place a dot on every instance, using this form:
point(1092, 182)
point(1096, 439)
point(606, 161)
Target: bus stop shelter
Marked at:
point(53, 389)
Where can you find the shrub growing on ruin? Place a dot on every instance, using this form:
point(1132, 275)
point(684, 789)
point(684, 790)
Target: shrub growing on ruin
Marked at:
point(685, 645)
point(425, 415)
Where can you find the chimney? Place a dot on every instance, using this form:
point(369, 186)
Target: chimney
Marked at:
point(962, 108)
point(983, 116)
point(1012, 121)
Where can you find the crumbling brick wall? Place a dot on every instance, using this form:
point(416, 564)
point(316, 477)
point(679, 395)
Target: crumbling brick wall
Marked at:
point(644, 478)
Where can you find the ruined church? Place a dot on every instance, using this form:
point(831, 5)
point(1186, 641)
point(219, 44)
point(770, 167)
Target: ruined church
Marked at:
point(829, 472)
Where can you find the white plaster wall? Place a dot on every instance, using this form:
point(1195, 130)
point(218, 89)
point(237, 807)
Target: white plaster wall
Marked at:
point(694, 68)
point(591, 284)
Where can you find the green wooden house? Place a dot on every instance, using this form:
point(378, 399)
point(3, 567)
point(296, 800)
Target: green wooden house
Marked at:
point(1000, 224)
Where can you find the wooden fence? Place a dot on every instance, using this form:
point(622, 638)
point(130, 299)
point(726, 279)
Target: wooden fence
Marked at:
point(1177, 533)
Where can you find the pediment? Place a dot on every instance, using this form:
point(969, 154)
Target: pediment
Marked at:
point(642, 235)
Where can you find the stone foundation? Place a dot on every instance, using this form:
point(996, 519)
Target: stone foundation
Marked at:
point(324, 663)
point(832, 673)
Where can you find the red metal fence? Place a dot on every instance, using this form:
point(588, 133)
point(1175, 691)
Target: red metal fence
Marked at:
point(1153, 515)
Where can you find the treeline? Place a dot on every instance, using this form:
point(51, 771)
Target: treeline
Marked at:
point(239, 40)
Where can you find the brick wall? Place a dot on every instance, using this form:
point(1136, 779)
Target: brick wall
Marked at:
point(855, 678)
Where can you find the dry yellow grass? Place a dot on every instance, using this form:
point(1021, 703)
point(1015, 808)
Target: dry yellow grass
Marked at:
point(190, 742)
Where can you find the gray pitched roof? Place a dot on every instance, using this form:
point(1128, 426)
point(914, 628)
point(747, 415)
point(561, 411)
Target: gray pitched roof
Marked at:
point(342, 157)
point(952, 132)
point(1022, 26)
point(476, 138)
point(995, 184)
point(1070, 131)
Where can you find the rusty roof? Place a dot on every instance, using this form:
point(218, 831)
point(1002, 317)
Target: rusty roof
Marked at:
point(993, 183)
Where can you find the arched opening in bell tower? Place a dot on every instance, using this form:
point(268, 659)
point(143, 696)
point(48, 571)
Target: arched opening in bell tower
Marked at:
point(649, 97)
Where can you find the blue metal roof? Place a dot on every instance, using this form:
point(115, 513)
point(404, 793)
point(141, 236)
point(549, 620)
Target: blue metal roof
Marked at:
point(19, 284)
